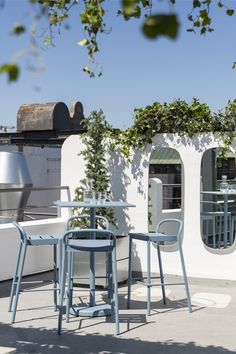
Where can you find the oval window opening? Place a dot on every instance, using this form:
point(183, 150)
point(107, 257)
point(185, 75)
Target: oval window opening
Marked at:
point(218, 198)
point(165, 186)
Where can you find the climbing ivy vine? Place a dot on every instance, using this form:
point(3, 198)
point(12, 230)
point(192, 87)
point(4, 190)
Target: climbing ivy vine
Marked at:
point(52, 16)
point(185, 119)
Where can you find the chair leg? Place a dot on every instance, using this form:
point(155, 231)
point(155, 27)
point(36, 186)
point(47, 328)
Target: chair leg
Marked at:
point(129, 272)
point(109, 275)
point(14, 280)
point(115, 293)
point(71, 264)
point(62, 290)
point(161, 273)
point(21, 267)
point(59, 262)
point(69, 292)
point(55, 277)
point(148, 278)
point(185, 277)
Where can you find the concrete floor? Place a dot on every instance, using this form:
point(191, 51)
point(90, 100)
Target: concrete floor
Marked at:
point(209, 329)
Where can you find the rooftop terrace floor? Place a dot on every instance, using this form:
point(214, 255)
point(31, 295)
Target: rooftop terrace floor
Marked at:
point(209, 329)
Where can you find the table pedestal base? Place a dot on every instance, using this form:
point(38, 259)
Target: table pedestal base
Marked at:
point(95, 311)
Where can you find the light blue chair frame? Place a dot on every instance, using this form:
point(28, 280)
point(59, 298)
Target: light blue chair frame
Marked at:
point(159, 238)
point(87, 240)
point(25, 242)
point(105, 225)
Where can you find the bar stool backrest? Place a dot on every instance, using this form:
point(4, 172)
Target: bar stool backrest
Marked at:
point(23, 235)
point(85, 217)
point(166, 226)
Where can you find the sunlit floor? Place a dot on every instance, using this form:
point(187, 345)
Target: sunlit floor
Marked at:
point(209, 329)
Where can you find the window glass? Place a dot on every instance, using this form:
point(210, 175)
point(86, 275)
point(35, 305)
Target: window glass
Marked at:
point(164, 186)
point(165, 164)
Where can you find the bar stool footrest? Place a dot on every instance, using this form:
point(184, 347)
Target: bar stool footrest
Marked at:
point(94, 311)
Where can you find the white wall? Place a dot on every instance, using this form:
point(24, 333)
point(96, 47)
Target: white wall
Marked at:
point(129, 182)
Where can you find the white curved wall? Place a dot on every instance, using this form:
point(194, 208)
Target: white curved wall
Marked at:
point(129, 182)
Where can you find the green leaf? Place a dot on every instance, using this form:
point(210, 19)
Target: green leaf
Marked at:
point(47, 40)
point(129, 6)
point(206, 21)
point(203, 14)
point(12, 70)
point(220, 4)
point(83, 42)
point(145, 3)
point(86, 69)
point(230, 12)
point(197, 24)
point(161, 25)
point(234, 65)
point(18, 29)
point(196, 3)
point(137, 13)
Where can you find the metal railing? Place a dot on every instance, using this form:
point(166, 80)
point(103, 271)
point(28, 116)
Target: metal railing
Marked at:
point(30, 211)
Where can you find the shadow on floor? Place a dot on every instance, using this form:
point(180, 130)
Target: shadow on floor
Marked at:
point(42, 340)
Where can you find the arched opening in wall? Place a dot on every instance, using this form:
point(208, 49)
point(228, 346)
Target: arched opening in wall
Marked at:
point(218, 199)
point(165, 186)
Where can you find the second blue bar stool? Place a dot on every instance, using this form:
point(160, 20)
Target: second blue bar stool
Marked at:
point(158, 238)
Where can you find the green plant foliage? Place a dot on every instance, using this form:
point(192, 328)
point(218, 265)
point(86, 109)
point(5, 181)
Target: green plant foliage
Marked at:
point(18, 29)
point(93, 23)
point(92, 16)
point(12, 71)
point(161, 25)
point(94, 155)
point(185, 119)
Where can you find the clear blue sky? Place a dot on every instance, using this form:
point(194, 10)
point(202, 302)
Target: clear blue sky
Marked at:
point(137, 71)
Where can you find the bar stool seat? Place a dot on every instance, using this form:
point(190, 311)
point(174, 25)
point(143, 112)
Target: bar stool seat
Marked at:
point(29, 241)
point(160, 237)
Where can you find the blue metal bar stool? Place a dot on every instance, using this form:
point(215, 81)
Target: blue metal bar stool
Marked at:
point(82, 221)
point(158, 238)
point(88, 240)
point(32, 240)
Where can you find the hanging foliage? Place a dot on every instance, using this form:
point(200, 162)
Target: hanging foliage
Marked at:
point(185, 119)
point(95, 161)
